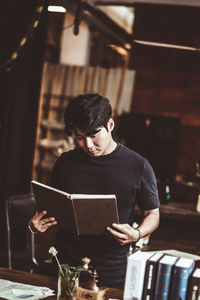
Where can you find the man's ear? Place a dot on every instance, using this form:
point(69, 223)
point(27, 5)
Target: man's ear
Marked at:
point(111, 124)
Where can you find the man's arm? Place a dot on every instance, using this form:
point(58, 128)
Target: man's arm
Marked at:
point(128, 234)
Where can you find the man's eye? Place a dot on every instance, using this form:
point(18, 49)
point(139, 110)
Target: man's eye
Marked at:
point(95, 134)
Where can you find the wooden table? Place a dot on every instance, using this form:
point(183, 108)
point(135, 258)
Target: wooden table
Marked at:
point(42, 280)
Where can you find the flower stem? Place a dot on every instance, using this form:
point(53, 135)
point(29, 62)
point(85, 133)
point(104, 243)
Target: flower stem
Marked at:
point(61, 271)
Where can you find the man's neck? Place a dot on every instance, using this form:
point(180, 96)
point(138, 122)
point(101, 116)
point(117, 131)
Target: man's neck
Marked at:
point(111, 147)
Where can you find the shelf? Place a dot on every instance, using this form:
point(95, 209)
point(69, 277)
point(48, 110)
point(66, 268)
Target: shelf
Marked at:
point(49, 144)
point(51, 124)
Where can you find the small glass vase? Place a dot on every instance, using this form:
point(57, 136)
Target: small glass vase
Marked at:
point(67, 285)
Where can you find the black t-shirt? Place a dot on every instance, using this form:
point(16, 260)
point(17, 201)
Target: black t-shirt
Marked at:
point(122, 172)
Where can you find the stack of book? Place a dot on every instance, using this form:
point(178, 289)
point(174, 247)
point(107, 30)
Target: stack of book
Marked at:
point(161, 276)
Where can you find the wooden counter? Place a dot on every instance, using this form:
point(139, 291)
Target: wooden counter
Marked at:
point(178, 221)
point(47, 281)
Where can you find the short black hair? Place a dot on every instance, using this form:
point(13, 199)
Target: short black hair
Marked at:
point(87, 113)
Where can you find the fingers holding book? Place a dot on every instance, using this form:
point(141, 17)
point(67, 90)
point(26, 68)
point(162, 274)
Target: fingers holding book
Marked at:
point(123, 233)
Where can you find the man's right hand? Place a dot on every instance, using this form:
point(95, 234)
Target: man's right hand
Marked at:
point(40, 224)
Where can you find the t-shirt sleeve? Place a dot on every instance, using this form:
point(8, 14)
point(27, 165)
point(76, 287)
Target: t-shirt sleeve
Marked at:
point(148, 197)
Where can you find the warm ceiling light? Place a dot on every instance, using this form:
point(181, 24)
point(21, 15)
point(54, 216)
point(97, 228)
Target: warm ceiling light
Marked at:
point(119, 49)
point(127, 46)
point(53, 8)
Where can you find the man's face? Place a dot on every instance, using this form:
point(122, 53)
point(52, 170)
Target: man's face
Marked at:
point(99, 144)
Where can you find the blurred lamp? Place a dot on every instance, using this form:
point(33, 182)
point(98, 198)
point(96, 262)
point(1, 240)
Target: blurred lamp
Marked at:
point(53, 8)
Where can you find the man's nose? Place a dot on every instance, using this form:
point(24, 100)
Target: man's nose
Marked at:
point(89, 142)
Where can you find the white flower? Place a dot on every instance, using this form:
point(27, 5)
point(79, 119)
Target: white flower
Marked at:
point(53, 251)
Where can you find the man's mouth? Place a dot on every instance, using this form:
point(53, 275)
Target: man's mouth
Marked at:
point(92, 150)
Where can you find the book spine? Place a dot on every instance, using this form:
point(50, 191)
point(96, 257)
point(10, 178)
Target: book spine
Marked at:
point(194, 289)
point(149, 280)
point(131, 275)
point(163, 282)
point(134, 280)
point(180, 282)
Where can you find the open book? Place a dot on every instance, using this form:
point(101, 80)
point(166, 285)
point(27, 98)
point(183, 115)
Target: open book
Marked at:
point(77, 213)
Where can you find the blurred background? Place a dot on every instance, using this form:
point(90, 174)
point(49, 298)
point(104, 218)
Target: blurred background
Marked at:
point(143, 55)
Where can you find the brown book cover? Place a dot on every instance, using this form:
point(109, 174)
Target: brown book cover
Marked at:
point(78, 213)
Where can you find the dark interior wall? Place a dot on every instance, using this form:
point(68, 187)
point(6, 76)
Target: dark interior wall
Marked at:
point(167, 24)
point(167, 80)
point(19, 98)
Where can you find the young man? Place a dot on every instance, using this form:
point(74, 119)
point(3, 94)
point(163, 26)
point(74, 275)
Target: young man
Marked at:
point(100, 165)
